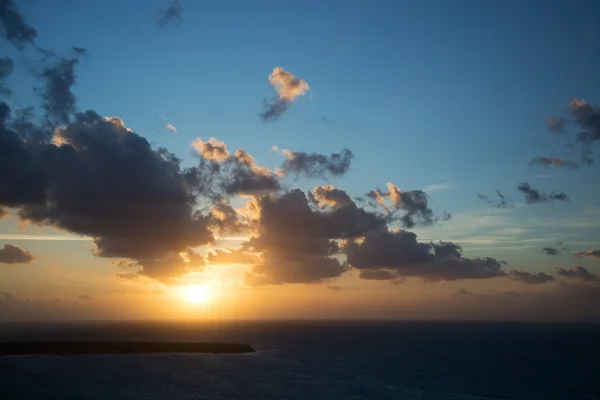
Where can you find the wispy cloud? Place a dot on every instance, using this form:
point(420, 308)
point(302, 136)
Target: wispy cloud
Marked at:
point(439, 187)
point(171, 128)
point(11, 236)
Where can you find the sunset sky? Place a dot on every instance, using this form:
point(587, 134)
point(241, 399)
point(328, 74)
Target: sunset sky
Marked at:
point(324, 159)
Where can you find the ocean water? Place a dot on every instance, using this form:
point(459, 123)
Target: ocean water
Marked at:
point(315, 360)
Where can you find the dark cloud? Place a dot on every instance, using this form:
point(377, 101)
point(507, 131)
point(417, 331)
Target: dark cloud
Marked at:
point(413, 206)
point(86, 297)
point(98, 178)
point(400, 255)
point(58, 99)
point(553, 161)
point(245, 177)
point(10, 254)
point(533, 196)
point(578, 272)
point(236, 174)
point(310, 165)
point(464, 292)
point(587, 118)
point(297, 235)
point(529, 278)
point(503, 201)
point(6, 67)
point(171, 15)
point(551, 251)
point(13, 26)
point(593, 253)
point(556, 125)
point(288, 88)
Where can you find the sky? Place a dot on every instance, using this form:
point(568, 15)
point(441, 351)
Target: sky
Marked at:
point(348, 160)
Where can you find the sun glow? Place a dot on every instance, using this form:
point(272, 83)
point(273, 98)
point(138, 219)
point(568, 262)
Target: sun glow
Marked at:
point(196, 294)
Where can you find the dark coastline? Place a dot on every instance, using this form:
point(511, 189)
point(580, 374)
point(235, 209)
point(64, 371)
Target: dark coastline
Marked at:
point(67, 348)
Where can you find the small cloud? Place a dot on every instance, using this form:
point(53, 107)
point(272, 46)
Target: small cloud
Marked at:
point(288, 88)
point(556, 125)
point(593, 253)
point(533, 196)
point(10, 254)
point(86, 297)
point(551, 251)
point(536, 278)
point(578, 272)
point(171, 128)
point(171, 15)
point(439, 187)
point(553, 161)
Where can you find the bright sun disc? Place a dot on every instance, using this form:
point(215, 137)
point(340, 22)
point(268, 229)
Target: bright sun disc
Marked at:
point(196, 294)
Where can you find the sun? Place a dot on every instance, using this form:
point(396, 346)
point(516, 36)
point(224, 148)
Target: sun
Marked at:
point(196, 294)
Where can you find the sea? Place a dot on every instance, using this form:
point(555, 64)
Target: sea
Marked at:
point(308, 360)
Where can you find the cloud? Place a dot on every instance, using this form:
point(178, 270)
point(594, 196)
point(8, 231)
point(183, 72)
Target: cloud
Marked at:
point(503, 202)
point(213, 149)
point(230, 257)
point(553, 161)
point(413, 204)
point(288, 88)
point(296, 236)
point(593, 253)
point(464, 292)
point(310, 165)
point(86, 297)
point(13, 27)
point(6, 68)
point(439, 187)
point(135, 201)
point(533, 196)
point(397, 254)
point(10, 254)
point(335, 288)
point(551, 251)
point(556, 125)
point(537, 278)
point(171, 128)
point(57, 96)
point(171, 15)
point(578, 272)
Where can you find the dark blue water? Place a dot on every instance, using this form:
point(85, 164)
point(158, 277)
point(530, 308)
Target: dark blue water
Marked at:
point(316, 360)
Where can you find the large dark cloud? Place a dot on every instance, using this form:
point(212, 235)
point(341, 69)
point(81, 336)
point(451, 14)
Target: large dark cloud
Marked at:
point(307, 165)
point(533, 196)
point(554, 161)
point(551, 251)
point(13, 26)
point(529, 278)
point(171, 15)
point(297, 235)
point(97, 178)
point(396, 254)
point(592, 253)
point(578, 272)
point(10, 254)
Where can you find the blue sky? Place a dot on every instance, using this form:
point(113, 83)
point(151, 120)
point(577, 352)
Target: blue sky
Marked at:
point(423, 92)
